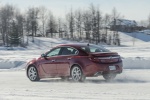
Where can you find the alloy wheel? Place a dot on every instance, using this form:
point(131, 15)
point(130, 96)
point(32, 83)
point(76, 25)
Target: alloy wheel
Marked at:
point(33, 74)
point(76, 74)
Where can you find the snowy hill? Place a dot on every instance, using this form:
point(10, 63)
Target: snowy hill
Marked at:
point(138, 36)
point(134, 56)
point(135, 50)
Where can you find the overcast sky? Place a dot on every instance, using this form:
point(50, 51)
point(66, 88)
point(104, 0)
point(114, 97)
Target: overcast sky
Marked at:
point(130, 9)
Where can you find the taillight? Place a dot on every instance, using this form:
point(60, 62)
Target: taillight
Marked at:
point(103, 61)
point(106, 59)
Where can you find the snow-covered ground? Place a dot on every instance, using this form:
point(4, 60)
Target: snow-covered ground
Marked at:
point(132, 84)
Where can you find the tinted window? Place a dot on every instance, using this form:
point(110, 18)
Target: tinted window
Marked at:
point(54, 52)
point(94, 48)
point(69, 51)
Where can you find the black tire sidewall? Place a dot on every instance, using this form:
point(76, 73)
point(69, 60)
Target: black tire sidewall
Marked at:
point(110, 76)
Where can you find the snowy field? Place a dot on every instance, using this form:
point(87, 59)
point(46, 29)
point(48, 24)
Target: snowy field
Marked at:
point(132, 84)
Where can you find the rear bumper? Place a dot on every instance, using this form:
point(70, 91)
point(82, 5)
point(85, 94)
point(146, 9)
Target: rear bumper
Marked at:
point(106, 72)
point(96, 69)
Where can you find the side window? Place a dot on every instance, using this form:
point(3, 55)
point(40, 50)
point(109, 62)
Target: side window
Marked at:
point(87, 49)
point(73, 51)
point(91, 49)
point(54, 52)
point(69, 51)
point(95, 49)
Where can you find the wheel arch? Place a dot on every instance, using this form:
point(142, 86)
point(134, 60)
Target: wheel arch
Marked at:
point(76, 65)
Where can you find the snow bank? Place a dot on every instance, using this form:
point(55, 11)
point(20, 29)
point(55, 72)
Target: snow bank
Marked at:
point(7, 64)
point(136, 63)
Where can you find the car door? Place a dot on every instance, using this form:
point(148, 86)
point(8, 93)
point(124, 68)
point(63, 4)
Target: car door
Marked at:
point(64, 60)
point(49, 63)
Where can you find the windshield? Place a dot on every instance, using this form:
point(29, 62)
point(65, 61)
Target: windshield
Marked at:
point(94, 48)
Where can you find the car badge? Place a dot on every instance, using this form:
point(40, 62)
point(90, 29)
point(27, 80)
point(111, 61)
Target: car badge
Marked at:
point(110, 57)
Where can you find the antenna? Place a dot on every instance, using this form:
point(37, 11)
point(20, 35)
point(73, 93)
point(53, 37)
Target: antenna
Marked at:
point(88, 44)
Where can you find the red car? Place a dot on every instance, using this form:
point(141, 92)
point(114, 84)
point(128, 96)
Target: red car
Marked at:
point(77, 61)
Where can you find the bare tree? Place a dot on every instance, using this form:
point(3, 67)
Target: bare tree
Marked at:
point(11, 25)
point(115, 16)
point(60, 28)
point(32, 16)
point(52, 25)
point(71, 23)
point(87, 25)
point(65, 29)
point(79, 23)
point(26, 27)
point(6, 17)
point(96, 18)
point(43, 18)
point(92, 11)
point(99, 25)
point(20, 23)
point(106, 21)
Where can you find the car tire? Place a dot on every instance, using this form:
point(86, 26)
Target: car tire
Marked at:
point(77, 74)
point(109, 77)
point(32, 73)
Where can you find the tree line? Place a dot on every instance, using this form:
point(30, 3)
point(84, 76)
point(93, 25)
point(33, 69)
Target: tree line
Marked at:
point(88, 25)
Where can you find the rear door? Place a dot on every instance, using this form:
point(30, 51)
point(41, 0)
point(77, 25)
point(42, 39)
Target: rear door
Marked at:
point(63, 62)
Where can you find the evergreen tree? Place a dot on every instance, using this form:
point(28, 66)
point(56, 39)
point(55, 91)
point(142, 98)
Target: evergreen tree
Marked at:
point(14, 35)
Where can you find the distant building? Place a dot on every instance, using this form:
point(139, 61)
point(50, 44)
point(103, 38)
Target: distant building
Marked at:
point(125, 25)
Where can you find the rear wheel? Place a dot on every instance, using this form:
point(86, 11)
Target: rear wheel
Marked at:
point(109, 76)
point(77, 74)
point(33, 74)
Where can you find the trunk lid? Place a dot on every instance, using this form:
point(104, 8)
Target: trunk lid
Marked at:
point(104, 54)
point(105, 57)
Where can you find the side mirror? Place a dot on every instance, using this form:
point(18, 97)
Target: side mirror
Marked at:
point(43, 55)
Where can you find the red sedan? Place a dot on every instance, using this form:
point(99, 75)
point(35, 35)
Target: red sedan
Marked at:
point(77, 61)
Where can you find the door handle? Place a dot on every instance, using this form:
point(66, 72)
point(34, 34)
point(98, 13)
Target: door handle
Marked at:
point(69, 58)
point(53, 60)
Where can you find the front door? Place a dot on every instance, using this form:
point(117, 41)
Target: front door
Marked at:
point(49, 63)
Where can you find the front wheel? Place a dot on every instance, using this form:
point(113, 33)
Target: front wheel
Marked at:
point(77, 74)
point(109, 77)
point(33, 74)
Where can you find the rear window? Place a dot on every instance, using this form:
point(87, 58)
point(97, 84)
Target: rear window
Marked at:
point(94, 48)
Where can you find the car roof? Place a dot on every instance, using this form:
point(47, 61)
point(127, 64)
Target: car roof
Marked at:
point(74, 44)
